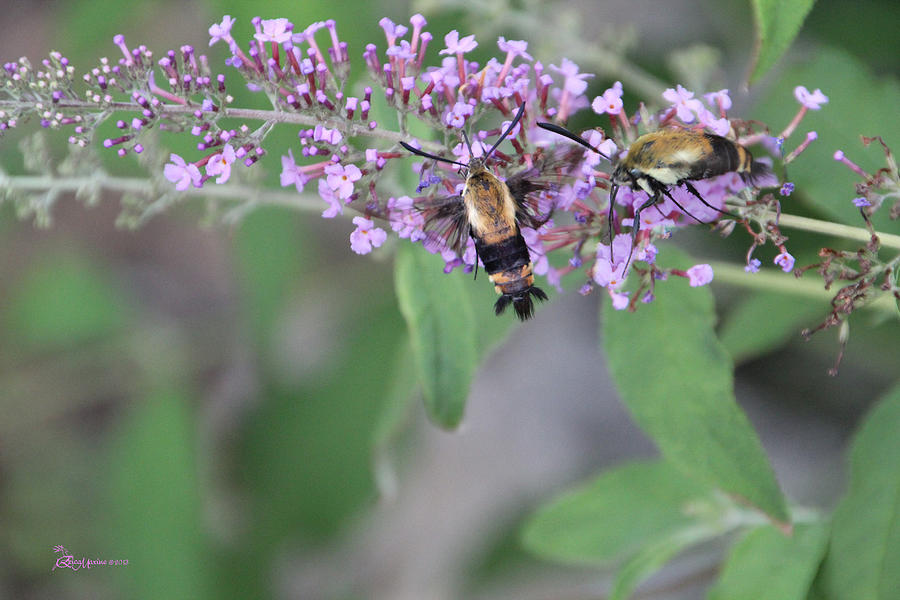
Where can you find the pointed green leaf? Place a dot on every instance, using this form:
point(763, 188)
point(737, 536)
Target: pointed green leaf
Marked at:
point(655, 555)
point(394, 416)
point(765, 321)
point(768, 564)
point(777, 24)
point(64, 300)
point(615, 515)
point(442, 333)
point(270, 259)
point(864, 554)
point(676, 379)
point(156, 517)
point(492, 329)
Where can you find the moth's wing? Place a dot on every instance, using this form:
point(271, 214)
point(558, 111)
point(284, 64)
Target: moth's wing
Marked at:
point(445, 217)
point(546, 175)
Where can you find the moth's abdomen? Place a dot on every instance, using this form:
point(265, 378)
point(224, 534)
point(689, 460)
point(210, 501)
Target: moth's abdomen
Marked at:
point(509, 268)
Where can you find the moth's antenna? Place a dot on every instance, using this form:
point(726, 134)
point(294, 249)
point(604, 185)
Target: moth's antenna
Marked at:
point(431, 156)
point(502, 137)
point(572, 136)
point(469, 146)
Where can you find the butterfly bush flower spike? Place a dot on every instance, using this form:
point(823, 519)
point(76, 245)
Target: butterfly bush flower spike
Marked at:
point(303, 72)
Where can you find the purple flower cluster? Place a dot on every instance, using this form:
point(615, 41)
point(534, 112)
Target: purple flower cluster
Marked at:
point(457, 94)
point(303, 72)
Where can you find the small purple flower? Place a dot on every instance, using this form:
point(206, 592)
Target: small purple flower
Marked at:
point(719, 126)
point(753, 266)
point(451, 260)
point(785, 261)
point(684, 103)
point(222, 31)
point(699, 275)
point(619, 300)
point(182, 174)
point(720, 99)
point(219, 166)
point(811, 100)
point(403, 51)
point(392, 30)
point(647, 254)
point(574, 82)
point(514, 47)
point(457, 116)
point(536, 247)
point(277, 31)
point(366, 236)
point(335, 206)
point(341, 178)
point(606, 272)
point(787, 189)
point(405, 219)
point(291, 173)
point(458, 46)
point(861, 202)
point(427, 182)
point(608, 275)
point(418, 21)
point(610, 102)
point(607, 147)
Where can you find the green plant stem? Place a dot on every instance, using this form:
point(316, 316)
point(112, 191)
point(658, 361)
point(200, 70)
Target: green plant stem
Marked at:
point(776, 281)
point(858, 234)
point(273, 116)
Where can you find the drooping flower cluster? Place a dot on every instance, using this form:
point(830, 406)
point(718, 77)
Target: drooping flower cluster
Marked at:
point(862, 273)
point(306, 82)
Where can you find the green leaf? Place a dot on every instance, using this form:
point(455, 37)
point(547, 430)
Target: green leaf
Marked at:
point(768, 564)
point(858, 104)
point(156, 517)
point(615, 515)
point(440, 320)
point(398, 400)
point(676, 379)
point(395, 414)
point(777, 24)
point(270, 260)
point(764, 322)
point(492, 329)
point(306, 458)
point(64, 300)
point(655, 555)
point(864, 552)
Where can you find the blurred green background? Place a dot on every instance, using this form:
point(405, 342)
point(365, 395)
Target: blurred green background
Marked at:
point(232, 410)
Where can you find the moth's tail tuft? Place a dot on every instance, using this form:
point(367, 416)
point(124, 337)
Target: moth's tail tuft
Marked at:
point(521, 302)
point(760, 175)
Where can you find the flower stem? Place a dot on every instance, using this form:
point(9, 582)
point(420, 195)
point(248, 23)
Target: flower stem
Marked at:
point(353, 129)
point(838, 230)
point(776, 281)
